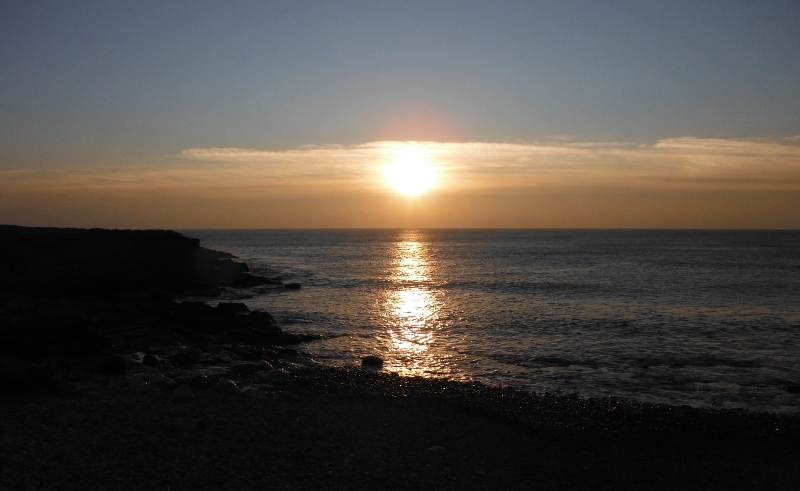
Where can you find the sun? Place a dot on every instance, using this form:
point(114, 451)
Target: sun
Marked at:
point(411, 173)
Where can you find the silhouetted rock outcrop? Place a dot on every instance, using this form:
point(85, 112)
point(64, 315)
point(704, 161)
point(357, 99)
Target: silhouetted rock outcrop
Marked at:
point(87, 300)
point(98, 263)
point(54, 262)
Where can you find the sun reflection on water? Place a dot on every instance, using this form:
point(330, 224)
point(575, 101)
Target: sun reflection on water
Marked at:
point(411, 313)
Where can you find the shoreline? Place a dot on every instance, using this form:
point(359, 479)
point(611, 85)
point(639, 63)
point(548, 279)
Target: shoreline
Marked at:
point(222, 398)
point(634, 323)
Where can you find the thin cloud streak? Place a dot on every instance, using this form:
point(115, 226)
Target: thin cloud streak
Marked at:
point(470, 167)
point(689, 163)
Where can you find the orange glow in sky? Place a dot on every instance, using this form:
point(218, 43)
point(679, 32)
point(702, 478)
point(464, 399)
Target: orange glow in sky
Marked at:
point(415, 114)
point(673, 183)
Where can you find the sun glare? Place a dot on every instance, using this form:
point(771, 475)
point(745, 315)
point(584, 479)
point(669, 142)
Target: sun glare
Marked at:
point(411, 173)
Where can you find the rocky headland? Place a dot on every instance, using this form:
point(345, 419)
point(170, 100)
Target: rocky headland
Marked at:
point(96, 301)
point(108, 382)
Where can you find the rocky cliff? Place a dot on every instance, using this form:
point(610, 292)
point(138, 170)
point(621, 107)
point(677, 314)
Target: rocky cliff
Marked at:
point(98, 263)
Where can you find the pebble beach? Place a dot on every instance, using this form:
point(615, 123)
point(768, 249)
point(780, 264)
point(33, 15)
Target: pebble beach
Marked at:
point(324, 428)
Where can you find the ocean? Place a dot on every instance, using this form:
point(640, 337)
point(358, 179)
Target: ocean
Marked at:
point(702, 318)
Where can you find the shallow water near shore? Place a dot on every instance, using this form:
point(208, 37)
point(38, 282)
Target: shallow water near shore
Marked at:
point(706, 318)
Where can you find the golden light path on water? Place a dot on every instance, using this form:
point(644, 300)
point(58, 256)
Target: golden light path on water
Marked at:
point(411, 313)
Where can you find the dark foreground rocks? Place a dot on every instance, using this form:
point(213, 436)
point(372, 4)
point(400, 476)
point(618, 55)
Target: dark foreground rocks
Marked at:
point(84, 301)
point(46, 344)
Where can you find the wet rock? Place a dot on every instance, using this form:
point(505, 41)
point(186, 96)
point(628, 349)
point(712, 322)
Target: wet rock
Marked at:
point(249, 368)
point(264, 336)
point(146, 372)
point(225, 385)
point(210, 292)
point(241, 390)
point(245, 280)
point(269, 353)
point(262, 317)
point(144, 375)
point(284, 365)
point(181, 395)
point(150, 360)
point(250, 391)
point(232, 307)
point(289, 354)
point(264, 378)
point(250, 355)
point(257, 395)
point(146, 381)
point(185, 357)
point(371, 362)
point(189, 308)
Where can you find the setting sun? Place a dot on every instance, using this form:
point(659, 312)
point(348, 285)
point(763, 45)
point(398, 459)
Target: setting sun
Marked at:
point(411, 173)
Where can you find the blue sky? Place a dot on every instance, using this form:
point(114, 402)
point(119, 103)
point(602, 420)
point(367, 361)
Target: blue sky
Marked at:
point(97, 85)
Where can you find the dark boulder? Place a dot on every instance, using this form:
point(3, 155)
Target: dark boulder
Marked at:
point(217, 268)
point(371, 362)
point(250, 355)
point(185, 357)
point(287, 353)
point(263, 317)
point(244, 369)
point(232, 307)
point(245, 280)
point(150, 360)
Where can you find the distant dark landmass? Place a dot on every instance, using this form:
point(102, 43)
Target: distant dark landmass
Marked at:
point(98, 263)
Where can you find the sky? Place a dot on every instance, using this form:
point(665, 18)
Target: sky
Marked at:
point(287, 114)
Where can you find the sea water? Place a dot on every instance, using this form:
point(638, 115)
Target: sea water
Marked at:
point(705, 318)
